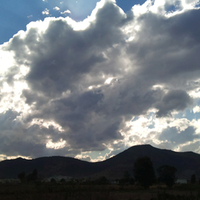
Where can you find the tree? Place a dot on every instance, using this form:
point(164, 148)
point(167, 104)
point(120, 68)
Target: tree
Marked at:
point(102, 181)
point(167, 175)
point(22, 177)
point(32, 177)
point(144, 172)
point(127, 179)
point(193, 179)
point(62, 181)
point(53, 181)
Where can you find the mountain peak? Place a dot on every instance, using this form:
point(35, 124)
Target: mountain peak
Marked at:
point(186, 164)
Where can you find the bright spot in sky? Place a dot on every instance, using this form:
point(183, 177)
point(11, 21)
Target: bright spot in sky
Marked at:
point(45, 12)
point(109, 80)
point(196, 109)
point(56, 145)
point(6, 61)
point(79, 9)
point(56, 8)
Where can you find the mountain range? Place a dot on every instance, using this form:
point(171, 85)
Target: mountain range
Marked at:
point(186, 163)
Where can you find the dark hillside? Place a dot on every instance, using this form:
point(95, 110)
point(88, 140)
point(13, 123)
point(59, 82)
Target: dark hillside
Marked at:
point(187, 163)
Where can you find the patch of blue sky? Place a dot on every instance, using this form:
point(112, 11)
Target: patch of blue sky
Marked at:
point(80, 9)
point(135, 119)
point(151, 115)
point(126, 5)
point(15, 15)
point(188, 114)
point(170, 8)
point(152, 126)
point(197, 5)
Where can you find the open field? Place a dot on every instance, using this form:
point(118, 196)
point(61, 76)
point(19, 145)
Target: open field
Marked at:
point(95, 192)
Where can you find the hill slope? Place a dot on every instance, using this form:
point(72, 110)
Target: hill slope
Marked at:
point(186, 163)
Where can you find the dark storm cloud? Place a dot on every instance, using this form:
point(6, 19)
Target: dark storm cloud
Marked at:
point(172, 135)
point(32, 97)
point(60, 62)
point(14, 140)
point(88, 125)
point(186, 31)
point(166, 47)
point(76, 108)
point(68, 72)
point(19, 139)
point(174, 100)
point(61, 56)
point(129, 98)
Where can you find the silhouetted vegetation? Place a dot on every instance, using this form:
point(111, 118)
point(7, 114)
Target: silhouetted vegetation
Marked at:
point(111, 168)
point(32, 177)
point(101, 181)
point(126, 179)
point(65, 191)
point(193, 179)
point(102, 187)
point(53, 180)
point(127, 188)
point(168, 196)
point(22, 177)
point(144, 172)
point(167, 175)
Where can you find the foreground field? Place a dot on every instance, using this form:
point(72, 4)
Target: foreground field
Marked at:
point(95, 192)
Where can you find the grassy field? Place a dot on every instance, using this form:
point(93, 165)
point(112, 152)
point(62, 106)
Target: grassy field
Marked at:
point(95, 192)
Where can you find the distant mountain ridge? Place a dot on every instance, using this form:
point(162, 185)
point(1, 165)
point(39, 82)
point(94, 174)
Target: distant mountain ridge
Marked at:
point(187, 163)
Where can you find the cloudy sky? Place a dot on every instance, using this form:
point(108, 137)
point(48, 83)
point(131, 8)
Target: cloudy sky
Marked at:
point(91, 80)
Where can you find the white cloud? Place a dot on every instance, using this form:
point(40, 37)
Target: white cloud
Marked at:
point(196, 109)
point(55, 145)
point(30, 16)
point(45, 12)
point(66, 12)
point(56, 8)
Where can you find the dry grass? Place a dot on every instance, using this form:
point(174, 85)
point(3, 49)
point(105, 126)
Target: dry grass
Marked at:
point(95, 192)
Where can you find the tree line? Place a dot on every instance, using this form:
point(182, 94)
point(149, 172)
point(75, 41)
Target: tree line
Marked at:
point(144, 173)
point(32, 177)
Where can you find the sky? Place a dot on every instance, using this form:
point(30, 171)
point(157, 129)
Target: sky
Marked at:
point(91, 80)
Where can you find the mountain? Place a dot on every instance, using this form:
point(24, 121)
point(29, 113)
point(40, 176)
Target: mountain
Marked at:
point(187, 163)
